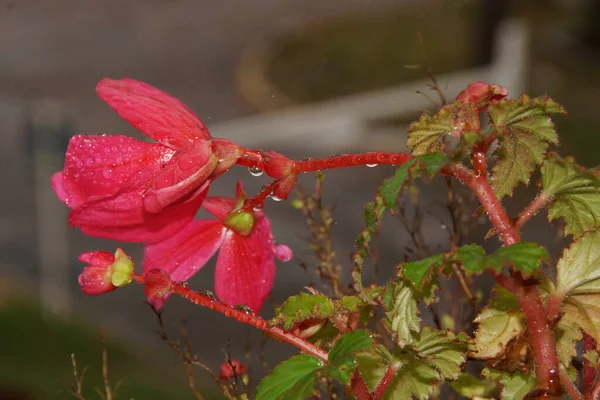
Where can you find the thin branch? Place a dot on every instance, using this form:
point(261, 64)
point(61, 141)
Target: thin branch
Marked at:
point(77, 391)
point(532, 209)
point(107, 388)
point(385, 382)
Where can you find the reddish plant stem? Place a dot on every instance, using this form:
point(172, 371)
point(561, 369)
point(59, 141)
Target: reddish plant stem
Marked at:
point(553, 306)
point(359, 387)
point(243, 317)
point(385, 382)
point(569, 386)
point(532, 209)
point(589, 371)
point(541, 336)
point(350, 160)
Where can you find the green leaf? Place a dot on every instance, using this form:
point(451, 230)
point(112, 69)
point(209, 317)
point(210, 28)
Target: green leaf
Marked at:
point(342, 355)
point(524, 257)
point(524, 131)
point(301, 307)
point(391, 188)
point(516, 385)
point(293, 379)
point(432, 357)
point(372, 365)
point(578, 283)
point(426, 134)
point(568, 333)
point(575, 194)
point(422, 274)
point(467, 385)
point(498, 324)
point(401, 312)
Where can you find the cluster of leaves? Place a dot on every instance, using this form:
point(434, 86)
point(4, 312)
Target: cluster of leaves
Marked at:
point(414, 359)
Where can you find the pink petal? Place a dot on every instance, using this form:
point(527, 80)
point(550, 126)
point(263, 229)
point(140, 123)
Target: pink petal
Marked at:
point(283, 252)
point(183, 254)
point(155, 113)
point(58, 186)
point(219, 206)
point(123, 218)
point(97, 167)
point(246, 267)
point(186, 171)
point(97, 258)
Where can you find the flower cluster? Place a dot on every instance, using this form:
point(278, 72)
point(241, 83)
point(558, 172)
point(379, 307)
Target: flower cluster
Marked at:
point(129, 190)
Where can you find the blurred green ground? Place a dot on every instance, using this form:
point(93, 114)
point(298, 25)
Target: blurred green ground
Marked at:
point(35, 360)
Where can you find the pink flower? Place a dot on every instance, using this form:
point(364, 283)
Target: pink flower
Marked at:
point(105, 272)
point(245, 268)
point(481, 94)
point(125, 189)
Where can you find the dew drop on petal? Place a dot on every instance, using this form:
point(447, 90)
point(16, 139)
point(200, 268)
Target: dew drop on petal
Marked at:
point(275, 198)
point(255, 171)
point(257, 207)
point(371, 165)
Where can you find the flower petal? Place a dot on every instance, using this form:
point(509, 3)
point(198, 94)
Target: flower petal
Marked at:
point(183, 254)
point(186, 171)
point(155, 113)
point(123, 218)
point(283, 252)
point(97, 167)
point(246, 267)
point(219, 206)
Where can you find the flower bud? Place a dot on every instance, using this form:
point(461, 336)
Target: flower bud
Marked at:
point(231, 369)
point(480, 94)
point(105, 272)
point(157, 282)
point(277, 165)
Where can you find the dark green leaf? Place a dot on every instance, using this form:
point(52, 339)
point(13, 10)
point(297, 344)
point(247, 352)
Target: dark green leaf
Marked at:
point(301, 307)
point(293, 379)
point(342, 355)
point(575, 194)
point(524, 256)
point(524, 130)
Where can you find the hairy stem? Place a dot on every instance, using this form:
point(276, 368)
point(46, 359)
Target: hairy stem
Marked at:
point(531, 210)
point(569, 386)
point(385, 382)
point(245, 318)
point(589, 371)
point(541, 336)
point(359, 387)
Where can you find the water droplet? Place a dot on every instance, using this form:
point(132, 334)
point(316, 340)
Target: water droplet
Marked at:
point(371, 165)
point(275, 198)
point(255, 171)
point(257, 207)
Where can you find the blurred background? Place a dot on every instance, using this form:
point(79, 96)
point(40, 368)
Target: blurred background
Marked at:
point(305, 78)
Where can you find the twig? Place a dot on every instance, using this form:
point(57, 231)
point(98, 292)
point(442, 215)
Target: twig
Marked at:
point(107, 389)
point(77, 379)
point(532, 209)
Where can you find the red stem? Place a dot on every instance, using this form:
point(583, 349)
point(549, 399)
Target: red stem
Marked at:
point(359, 387)
point(385, 382)
point(569, 386)
point(541, 336)
point(243, 317)
point(350, 160)
point(589, 371)
point(532, 209)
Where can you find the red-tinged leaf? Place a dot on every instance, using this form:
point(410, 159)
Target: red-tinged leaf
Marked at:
point(524, 131)
point(155, 113)
point(303, 307)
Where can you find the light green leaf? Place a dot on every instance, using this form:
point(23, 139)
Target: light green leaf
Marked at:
point(575, 194)
point(301, 307)
point(498, 324)
point(372, 365)
point(467, 385)
point(426, 134)
point(578, 283)
point(516, 385)
point(293, 379)
point(401, 312)
point(434, 356)
point(342, 355)
point(524, 130)
point(568, 333)
point(524, 257)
